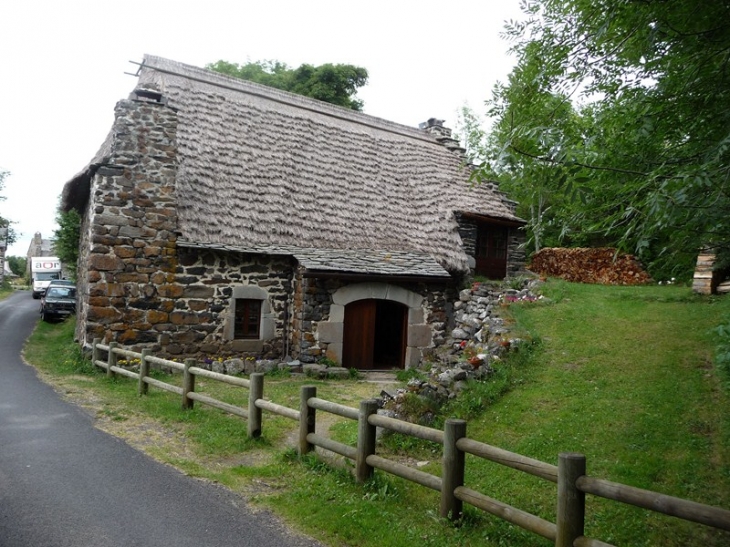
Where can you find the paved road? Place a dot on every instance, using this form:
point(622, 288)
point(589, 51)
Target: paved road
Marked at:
point(65, 483)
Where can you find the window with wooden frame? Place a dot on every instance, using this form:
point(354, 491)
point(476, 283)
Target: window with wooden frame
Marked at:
point(247, 324)
point(492, 242)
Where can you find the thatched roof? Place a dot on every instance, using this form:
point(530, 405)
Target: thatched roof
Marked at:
point(259, 167)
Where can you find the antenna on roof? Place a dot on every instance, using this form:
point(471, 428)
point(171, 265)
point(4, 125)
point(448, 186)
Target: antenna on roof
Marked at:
point(139, 67)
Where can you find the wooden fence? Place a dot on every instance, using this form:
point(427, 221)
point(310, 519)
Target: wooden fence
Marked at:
point(570, 473)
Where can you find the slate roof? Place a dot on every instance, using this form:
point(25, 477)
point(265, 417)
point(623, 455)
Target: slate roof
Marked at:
point(262, 168)
point(356, 262)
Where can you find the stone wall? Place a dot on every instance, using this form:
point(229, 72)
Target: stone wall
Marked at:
point(194, 318)
point(312, 301)
point(201, 322)
point(127, 271)
point(84, 335)
point(468, 234)
point(473, 350)
point(318, 315)
point(516, 257)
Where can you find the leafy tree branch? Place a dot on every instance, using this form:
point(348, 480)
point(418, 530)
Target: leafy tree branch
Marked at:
point(335, 84)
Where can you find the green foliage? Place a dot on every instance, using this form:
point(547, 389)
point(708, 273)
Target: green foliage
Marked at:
point(72, 361)
point(10, 236)
point(403, 375)
point(67, 236)
point(613, 127)
point(416, 408)
point(517, 283)
point(380, 488)
point(50, 345)
point(279, 373)
point(17, 264)
point(722, 350)
point(327, 362)
point(335, 84)
point(478, 395)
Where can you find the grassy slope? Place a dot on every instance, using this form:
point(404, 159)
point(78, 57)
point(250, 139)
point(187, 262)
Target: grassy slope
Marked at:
point(623, 375)
point(626, 377)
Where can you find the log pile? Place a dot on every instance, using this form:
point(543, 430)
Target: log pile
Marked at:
point(705, 279)
point(599, 266)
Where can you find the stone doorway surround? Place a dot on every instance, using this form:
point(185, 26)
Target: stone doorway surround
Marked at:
point(418, 337)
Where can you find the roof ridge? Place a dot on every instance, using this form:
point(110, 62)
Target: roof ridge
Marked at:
point(217, 79)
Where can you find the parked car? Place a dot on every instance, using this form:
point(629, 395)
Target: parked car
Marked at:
point(61, 283)
point(58, 302)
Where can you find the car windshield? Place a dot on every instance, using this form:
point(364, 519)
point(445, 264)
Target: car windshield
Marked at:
point(45, 276)
point(61, 292)
point(61, 282)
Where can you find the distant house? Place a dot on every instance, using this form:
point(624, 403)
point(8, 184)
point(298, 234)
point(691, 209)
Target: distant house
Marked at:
point(37, 247)
point(221, 217)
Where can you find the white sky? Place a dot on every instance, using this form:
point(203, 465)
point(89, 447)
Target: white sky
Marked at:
point(63, 65)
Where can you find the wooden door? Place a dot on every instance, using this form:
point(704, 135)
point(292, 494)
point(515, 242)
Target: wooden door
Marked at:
point(491, 251)
point(359, 334)
point(375, 334)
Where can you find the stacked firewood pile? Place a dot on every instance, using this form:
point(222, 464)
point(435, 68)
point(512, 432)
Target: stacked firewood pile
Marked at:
point(602, 266)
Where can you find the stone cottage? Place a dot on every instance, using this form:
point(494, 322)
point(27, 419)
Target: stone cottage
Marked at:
point(222, 217)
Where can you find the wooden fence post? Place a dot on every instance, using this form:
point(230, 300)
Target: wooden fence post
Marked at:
point(366, 434)
point(307, 419)
point(571, 501)
point(452, 474)
point(188, 385)
point(255, 392)
point(111, 360)
point(95, 351)
point(144, 371)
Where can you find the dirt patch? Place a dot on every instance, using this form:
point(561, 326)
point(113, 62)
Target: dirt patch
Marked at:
point(167, 442)
point(137, 429)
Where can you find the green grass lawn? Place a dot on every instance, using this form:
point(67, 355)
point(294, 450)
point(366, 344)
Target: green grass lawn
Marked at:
point(5, 290)
point(624, 375)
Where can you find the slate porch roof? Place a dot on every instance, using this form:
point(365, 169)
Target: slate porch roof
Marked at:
point(355, 262)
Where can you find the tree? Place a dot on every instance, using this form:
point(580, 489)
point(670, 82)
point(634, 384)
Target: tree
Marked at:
point(66, 237)
point(649, 82)
point(10, 236)
point(336, 84)
point(17, 265)
point(525, 152)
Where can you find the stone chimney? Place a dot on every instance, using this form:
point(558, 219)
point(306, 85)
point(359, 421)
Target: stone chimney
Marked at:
point(442, 134)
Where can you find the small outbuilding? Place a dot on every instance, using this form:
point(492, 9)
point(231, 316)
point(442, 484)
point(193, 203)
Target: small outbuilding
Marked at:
point(222, 217)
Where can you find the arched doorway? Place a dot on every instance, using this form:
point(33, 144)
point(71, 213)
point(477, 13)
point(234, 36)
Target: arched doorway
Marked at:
point(375, 333)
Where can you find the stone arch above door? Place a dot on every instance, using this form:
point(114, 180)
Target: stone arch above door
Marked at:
point(419, 334)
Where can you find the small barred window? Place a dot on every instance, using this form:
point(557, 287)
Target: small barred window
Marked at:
point(248, 319)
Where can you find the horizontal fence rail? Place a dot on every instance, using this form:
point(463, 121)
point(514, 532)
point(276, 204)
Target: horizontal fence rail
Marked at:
point(225, 378)
point(572, 481)
point(660, 503)
point(333, 408)
point(506, 512)
point(509, 459)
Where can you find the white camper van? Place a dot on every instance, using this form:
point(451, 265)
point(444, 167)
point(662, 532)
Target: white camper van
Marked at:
point(43, 270)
